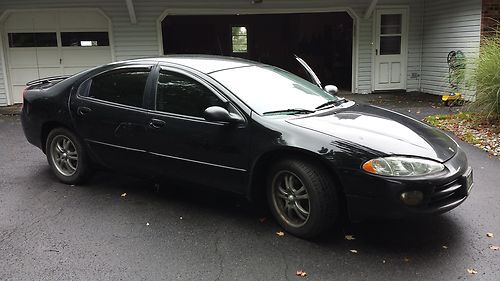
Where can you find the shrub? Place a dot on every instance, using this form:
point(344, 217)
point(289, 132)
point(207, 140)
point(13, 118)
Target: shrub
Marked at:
point(487, 77)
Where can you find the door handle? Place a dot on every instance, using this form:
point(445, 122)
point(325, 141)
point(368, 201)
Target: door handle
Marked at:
point(156, 123)
point(82, 110)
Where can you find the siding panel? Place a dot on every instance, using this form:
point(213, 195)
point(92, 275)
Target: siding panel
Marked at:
point(448, 25)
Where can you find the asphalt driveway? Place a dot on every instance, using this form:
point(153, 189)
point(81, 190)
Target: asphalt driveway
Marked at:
point(51, 231)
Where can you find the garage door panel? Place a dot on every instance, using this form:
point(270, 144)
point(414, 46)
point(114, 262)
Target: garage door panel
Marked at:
point(74, 70)
point(45, 21)
point(22, 57)
point(17, 93)
point(20, 76)
point(48, 57)
point(78, 20)
point(85, 56)
point(50, 71)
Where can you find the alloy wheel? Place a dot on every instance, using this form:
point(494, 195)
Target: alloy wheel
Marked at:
point(290, 198)
point(64, 155)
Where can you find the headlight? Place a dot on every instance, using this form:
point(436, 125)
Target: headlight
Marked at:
point(399, 166)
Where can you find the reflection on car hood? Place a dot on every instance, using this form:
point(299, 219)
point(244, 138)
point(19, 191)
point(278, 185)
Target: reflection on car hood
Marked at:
point(382, 130)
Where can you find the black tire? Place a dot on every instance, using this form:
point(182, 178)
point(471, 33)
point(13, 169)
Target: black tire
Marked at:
point(322, 196)
point(79, 169)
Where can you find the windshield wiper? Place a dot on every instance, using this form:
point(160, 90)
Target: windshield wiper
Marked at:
point(332, 102)
point(290, 111)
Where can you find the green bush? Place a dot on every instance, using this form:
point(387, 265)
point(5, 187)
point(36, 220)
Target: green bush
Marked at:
point(487, 78)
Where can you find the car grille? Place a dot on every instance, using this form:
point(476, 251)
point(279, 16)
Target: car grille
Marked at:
point(447, 193)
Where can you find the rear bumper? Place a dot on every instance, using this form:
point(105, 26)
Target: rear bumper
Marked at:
point(382, 196)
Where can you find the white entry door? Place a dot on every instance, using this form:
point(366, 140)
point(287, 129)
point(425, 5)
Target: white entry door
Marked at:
point(390, 49)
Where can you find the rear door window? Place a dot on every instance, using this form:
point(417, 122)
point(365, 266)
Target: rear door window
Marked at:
point(179, 94)
point(124, 86)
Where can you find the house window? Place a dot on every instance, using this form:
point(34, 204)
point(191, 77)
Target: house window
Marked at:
point(239, 39)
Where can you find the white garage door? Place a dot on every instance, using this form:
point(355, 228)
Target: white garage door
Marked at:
point(42, 44)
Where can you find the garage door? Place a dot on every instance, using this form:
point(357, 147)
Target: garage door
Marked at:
point(42, 44)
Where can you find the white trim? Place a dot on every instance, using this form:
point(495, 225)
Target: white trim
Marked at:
point(4, 45)
point(370, 9)
point(405, 9)
point(254, 11)
point(5, 70)
point(131, 11)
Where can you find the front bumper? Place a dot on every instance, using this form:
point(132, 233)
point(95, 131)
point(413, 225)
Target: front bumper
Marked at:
point(374, 196)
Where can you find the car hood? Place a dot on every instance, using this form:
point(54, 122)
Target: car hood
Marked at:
point(382, 130)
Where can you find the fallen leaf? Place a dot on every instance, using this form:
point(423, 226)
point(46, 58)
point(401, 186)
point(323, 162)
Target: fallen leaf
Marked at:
point(147, 224)
point(406, 259)
point(383, 261)
point(445, 247)
point(262, 220)
point(123, 194)
point(301, 273)
point(495, 248)
point(471, 271)
point(489, 234)
point(280, 233)
point(354, 251)
point(180, 218)
point(349, 237)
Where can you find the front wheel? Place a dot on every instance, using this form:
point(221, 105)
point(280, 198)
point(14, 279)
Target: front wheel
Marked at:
point(302, 197)
point(66, 156)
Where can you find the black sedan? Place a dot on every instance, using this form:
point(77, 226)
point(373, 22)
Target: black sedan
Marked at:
point(247, 128)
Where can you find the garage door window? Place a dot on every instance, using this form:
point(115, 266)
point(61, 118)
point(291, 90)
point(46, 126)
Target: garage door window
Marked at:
point(32, 39)
point(84, 39)
point(124, 86)
point(179, 94)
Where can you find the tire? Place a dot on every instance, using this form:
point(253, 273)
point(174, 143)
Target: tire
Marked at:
point(67, 156)
point(305, 218)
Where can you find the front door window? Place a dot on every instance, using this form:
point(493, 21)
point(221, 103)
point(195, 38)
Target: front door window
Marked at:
point(390, 34)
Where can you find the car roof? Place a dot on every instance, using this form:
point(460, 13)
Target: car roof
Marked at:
point(203, 63)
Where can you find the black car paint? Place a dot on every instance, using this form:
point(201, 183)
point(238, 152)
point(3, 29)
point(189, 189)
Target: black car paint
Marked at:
point(156, 144)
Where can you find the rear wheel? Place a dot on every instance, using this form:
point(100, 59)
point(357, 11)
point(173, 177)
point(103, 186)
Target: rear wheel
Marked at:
point(302, 197)
point(66, 156)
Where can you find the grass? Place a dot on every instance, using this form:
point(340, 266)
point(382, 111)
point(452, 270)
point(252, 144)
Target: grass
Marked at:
point(487, 78)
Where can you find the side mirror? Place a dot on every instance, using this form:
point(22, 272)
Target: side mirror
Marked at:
point(220, 114)
point(332, 89)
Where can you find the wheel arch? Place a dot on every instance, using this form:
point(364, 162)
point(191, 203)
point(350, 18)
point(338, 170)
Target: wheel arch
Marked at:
point(45, 130)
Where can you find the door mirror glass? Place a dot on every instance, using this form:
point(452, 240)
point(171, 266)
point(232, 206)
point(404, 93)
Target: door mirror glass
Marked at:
point(220, 114)
point(332, 89)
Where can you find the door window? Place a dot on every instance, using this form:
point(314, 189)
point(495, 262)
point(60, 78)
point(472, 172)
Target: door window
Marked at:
point(390, 34)
point(177, 93)
point(125, 86)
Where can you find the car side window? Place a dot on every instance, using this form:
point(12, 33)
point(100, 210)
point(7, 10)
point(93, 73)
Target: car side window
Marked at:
point(124, 86)
point(177, 93)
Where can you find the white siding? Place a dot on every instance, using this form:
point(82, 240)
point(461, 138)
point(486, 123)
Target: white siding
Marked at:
point(448, 25)
point(3, 85)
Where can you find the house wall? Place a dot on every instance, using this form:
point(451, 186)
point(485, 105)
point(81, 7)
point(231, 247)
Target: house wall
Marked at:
point(448, 25)
point(141, 39)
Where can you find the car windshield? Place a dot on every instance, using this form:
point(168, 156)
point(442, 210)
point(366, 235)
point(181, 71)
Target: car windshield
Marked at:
point(271, 90)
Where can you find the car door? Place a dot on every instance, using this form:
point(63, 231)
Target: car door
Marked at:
point(187, 146)
point(109, 115)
